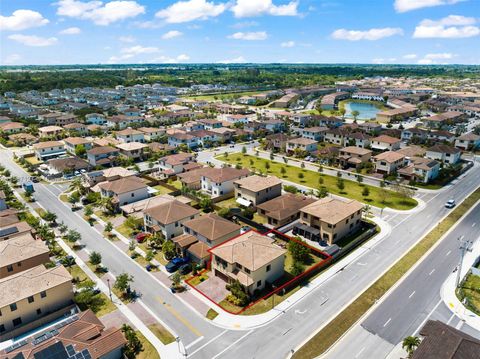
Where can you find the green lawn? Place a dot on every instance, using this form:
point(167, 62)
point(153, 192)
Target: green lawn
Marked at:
point(162, 190)
point(105, 217)
point(211, 314)
point(198, 279)
point(378, 197)
point(349, 316)
point(126, 231)
point(471, 291)
point(149, 351)
point(161, 333)
point(228, 203)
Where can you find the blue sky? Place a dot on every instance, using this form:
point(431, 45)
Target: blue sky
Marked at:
point(197, 31)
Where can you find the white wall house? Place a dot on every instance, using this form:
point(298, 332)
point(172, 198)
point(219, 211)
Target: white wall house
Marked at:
point(48, 150)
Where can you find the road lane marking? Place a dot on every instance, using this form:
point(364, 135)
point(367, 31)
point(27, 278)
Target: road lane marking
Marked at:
point(179, 317)
point(386, 323)
point(446, 255)
point(433, 270)
point(207, 343)
point(234, 343)
point(411, 295)
point(473, 225)
point(450, 319)
point(359, 352)
point(459, 325)
point(194, 342)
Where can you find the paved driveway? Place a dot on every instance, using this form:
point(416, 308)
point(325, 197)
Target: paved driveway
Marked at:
point(214, 288)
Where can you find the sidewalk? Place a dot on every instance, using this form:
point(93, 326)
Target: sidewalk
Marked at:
point(449, 297)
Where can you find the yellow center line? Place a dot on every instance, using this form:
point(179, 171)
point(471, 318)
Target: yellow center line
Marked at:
point(179, 317)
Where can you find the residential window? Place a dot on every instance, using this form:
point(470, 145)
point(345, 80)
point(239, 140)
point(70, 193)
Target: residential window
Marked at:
point(269, 267)
point(132, 195)
point(31, 299)
point(43, 294)
point(247, 270)
point(17, 321)
point(39, 311)
point(2, 328)
point(19, 264)
point(259, 283)
point(13, 307)
point(9, 268)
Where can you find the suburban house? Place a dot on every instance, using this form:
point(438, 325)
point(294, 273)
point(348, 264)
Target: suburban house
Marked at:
point(301, 144)
point(65, 119)
point(9, 230)
point(420, 169)
point(90, 179)
point(49, 149)
point(277, 141)
point(274, 126)
point(103, 155)
point(33, 297)
point(95, 119)
point(468, 141)
point(300, 119)
point(336, 136)
point(283, 209)
point(72, 143)
point(205, 138)
point(388, 162)
point(444, 119)
point(385, 143)
point(253, 190)
point(329, 220)
point(80, 335)
point(76, 128)
point(11, 127)
point(219, 181)
point(124, 190)
point(444, 153)
point(48, 131)
point(175, 164)
point(353, 156)
point(370, 128)
point(130, 135)
point(314, 133)
point(65, 166)
point(191, 126)
point(21, 253)
point(134, 150)
point(252, 259)
point(182, 138)
point(210, 124)
point(358, 139)
point(167, 218)
point(211, 229)
point(151, 133)
point(236, 118)
point(414, 134)
point(193, 179)
point(223, 133)
point(122, 121)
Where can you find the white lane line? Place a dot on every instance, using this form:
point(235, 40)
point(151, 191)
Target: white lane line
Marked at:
point(411, 295)
point(473, 225)
point(210, 341)
point(359, 352)
point(234, 343)
point(194, 342)
point(433, 270)
point(428, 316)
point(446, 255)
point(459, 325)
point(386, 323)
point(450, 319)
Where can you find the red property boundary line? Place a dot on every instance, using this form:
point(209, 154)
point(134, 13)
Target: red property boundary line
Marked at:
point(326, 256)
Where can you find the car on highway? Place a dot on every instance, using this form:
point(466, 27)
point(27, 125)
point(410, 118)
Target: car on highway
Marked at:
point(176, 263)
point(450, 203)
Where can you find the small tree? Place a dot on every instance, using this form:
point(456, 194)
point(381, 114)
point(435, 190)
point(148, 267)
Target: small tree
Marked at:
point(340, 184)
point(95, 258)
point(365, 192)
point(123, 282)
point(272, 156)
point(283, 171)
point(108, 227)
point(134, 346)
point(359, 179)
point(302, 165)
point(74, 198)
point(88, 211)
point(322, 192)
point(267, 166)
point(410, 343)
point(355, 114)
point(299, 251)
point(297, 268)
point(168, 249)
point(301, 175)
point(49, 216)
point(320, 169)
point(80, 150)
point(73, 236)
point(320, 180)
point(149, 255)
point(132, 245)
point(176, 279)
point(244, 150)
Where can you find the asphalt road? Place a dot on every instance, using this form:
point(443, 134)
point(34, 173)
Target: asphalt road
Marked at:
point(276, 339)
point(413, 302)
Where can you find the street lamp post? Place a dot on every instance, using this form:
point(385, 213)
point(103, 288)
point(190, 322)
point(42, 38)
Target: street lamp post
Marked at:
point(109, 289)
point(465, 246)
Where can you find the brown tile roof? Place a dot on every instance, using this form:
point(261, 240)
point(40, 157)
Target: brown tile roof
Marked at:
point(21, 248)
point(257, 183)
point(251, 250)
point(355, 150)
point(171, 211)
point(21, 227)
point(220, 175)
point(193, 176)
point(199, 250)
point(102, 150)
point(106, 141)
point(122, 185)
point(76, 140)
point(386, 139)
point(443, 149)
point(331, 210)
point(212, 226)
point(285, 206)
point(31, 281)
point(389, 156)
point(185, 240)
point(302, 141)
point(177, 159)
point(48, 144)
point(129, 131)
point(412, 150)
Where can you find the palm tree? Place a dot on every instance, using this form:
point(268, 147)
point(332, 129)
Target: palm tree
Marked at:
point(107, 205)
point(77, 185)
point(410, 343)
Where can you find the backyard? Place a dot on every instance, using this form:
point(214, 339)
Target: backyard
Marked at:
point(378, 197)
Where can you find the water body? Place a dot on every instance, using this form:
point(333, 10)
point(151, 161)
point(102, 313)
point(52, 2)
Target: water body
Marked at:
point(366, 110)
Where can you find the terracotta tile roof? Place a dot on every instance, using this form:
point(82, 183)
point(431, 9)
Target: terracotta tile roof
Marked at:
point(102, 150)
point(331, 210)
point(21, 248)
point(123, 185)
point(220, 175)
point(212, 226)
point(185, 240)
point(355, 150)
point(443, 149)
point(285, 206)
point(302, 141)
point(76, 140)
point(129, 132)
point(48, 144)
point(199, 250)
point(257, 183)
point(193, 175)
point(386, 139)
point(170, 212)
point(389, 156)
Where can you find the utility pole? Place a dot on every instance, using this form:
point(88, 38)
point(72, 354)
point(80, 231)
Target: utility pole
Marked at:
point(109, 290)
point(465, 246)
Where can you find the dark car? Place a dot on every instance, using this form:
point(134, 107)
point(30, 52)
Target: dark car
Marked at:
point(175, 263)
point(185, 269)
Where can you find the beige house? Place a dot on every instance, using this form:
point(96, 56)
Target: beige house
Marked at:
point(211, 229)
point(13, 230)
point(255, 189)
point(252, 259)
point(46, 131)
point(133, 150)
point(124, 190)
point(302, 144)
point(385, 143)
point(32, 298)
point(388, 162)
point(329, 220)
point(283, 209)
point(21, 253)
point(49, 149)
point(72, 143)
point(353, 156)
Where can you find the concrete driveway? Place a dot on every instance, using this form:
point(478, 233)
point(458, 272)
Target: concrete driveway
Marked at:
point(214, 288)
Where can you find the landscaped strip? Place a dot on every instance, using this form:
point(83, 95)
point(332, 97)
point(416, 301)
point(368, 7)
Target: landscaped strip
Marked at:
point(326, 337)
point(379, 197)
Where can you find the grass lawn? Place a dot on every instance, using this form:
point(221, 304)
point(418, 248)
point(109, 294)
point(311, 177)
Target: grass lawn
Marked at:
point(94, 269)
point(343, 321)
point(64, 198)
point(41, 212)
point(177, 184)
point(106, 217)
point(149, 351)
point(161, 333)
point(228, 203)
point(124, 230)
point(161, 189)
point(428, 186)
point(198, 279)
point(259, 219)
point(211, 314)
point(33, 160)
point(471, 291)
point(379, 197)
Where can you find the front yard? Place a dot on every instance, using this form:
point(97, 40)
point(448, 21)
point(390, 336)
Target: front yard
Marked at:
point(470, 292)
point(379, 197)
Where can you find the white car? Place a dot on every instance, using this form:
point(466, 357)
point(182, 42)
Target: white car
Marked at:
point(450, 203)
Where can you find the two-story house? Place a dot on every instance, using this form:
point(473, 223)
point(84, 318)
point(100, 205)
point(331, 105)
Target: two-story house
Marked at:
point(253, 190)
point(352, 156)
point(73, 143)
point(444, 153)
point(468, 141)
point(102, 155)
point(124, 190)
point(388, 162)
point(48, 150)
point(130, 135)
point(219, 181)
point(385, 143)
point(301, 144)
point(211, 229)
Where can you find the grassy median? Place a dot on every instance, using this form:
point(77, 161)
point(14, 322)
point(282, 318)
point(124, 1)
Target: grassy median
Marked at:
point(350, 315)
point(377, 196)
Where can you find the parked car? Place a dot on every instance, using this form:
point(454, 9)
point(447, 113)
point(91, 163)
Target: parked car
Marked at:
point(149, 267)
point(176, 263)
point(185, 269)
point(140, 238)
point(450, 203)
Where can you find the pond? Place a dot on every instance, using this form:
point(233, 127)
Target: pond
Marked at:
point(366, 110)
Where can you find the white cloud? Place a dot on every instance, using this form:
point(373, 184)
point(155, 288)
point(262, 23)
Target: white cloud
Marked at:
point(127, 39)
point(236, 60)
point(288, 44)
point(190, 10)
point(244, 24)
point(408, 5)
point(137, 50)
point(429, 59)
point(12, 59)
point(372, 34)
point(171, 60)
point(32, 40)
point(410, 56)
point(249, 8)
point(382, 60)
point(98, 12)
point(22, 20)
point(249, 36)
point(183, 57)
point(172, 34)
point(71, 31)
point(450, 27)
